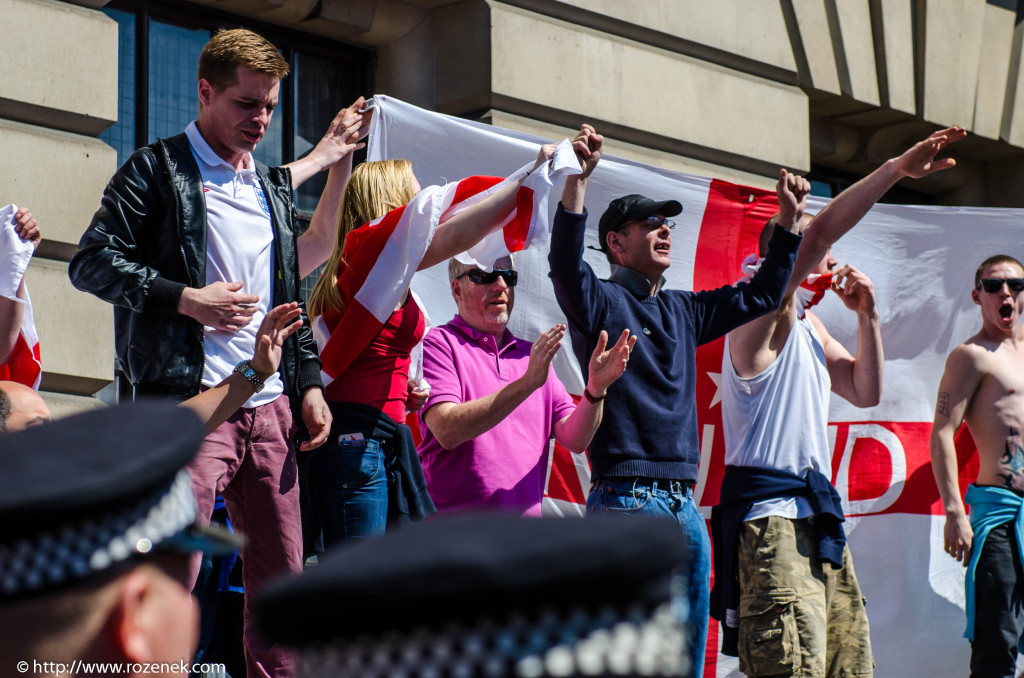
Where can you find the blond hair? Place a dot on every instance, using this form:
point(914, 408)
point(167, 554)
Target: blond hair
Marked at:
point(230, 48)
point(375, 189)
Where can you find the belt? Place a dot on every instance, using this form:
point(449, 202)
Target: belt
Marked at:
point(667, 484)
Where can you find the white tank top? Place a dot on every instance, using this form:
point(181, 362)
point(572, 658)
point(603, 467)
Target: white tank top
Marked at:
point(779, 419)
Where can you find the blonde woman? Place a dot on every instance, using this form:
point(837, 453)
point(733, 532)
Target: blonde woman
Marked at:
point(368, 473)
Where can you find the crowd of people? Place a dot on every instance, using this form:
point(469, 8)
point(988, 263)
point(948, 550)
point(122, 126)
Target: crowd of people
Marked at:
point(303, 406)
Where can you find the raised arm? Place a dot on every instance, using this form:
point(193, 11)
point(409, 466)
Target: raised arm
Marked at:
point(455, 423)
point(12, 312)
point(467, 228)
point(857, 379)
point(956, 388)
point(755, 345)
point(725, 309)
point(337, 144)
point(849, 207)
point(215, 405)
point(589, 146)
point(577, 288)
point(334, 152)
point(577, 430)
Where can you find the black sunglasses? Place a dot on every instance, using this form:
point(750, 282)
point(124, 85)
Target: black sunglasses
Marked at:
point(653, 222)
point(484, 278)
point(993, 285)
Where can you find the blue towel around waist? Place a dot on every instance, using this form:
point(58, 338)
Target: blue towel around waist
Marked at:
point(990, 507)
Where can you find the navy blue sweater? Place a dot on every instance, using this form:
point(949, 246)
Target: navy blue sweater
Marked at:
point(650, 415)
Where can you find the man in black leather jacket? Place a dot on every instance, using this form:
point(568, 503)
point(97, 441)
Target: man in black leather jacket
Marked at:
point(193, 243)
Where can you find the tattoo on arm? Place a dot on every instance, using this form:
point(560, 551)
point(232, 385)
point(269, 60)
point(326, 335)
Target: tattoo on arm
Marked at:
point(942, 404)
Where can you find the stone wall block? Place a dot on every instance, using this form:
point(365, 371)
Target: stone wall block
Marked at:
point(1012, 127)
point(853, 43)
point(993, 70)
point(893, 33)
point(76, 331)
point(754, 31)
point(950, 56)
point(59, 176)
point(551, 64)
point(812, 44)
point(60, 65)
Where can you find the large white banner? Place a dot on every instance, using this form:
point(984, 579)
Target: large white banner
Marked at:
point(922, 261)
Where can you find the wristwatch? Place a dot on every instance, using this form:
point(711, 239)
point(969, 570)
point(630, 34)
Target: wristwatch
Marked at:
point(246, 370)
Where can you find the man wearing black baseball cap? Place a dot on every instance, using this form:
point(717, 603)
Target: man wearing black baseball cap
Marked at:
point(634, 208)
point(99, 519)
point(644, 456)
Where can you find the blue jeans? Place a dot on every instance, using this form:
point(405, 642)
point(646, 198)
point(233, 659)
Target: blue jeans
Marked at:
point(352, 490)
point(638, 498)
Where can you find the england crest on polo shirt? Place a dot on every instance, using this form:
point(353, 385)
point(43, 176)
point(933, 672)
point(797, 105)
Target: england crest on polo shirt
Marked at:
point(261, 198)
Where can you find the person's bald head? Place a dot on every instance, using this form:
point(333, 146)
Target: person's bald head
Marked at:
point(21, 407)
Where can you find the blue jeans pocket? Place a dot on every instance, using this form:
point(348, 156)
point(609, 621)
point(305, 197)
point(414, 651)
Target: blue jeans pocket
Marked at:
point(352, 490)
point(359, 462)
point(617, 500)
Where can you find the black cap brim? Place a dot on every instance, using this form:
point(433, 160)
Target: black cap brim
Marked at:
point(667, 208)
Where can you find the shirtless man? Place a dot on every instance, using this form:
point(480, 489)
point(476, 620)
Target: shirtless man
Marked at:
point(984, 385)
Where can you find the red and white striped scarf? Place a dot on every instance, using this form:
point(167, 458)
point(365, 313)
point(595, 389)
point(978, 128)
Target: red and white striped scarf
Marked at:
point(811, 290)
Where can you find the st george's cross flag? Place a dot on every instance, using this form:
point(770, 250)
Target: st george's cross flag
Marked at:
point(23, 365)
point(380, 258)
point(921, 260)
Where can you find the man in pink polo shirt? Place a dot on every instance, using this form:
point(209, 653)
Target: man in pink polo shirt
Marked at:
point(495, 402)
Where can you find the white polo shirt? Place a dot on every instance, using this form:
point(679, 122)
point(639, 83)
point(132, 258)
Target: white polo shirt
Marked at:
point(239, 247)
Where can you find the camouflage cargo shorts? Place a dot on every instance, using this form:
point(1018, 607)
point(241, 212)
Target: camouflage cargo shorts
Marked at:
point(798, 618)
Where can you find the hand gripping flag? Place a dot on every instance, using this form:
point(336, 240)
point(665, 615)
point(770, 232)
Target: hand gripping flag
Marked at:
point(380, 257)
point(528, 226)
point(23, 365)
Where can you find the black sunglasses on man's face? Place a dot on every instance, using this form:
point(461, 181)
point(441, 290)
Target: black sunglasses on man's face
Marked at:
point(479, 277)
point(653, 222)
point(993, 285)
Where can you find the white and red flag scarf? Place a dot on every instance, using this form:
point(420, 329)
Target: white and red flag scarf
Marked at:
point(808, 294)
point(380, 257)
point(23, 365)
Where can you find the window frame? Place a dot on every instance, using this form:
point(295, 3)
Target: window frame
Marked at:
point(194, 16)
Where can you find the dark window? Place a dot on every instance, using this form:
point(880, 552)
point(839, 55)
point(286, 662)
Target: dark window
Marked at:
point(322, 87)
point(158, 53)
point(822, 189)
point(122, 134)
point(173, 60)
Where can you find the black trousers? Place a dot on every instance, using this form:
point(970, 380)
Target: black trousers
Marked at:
point(998, 606)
